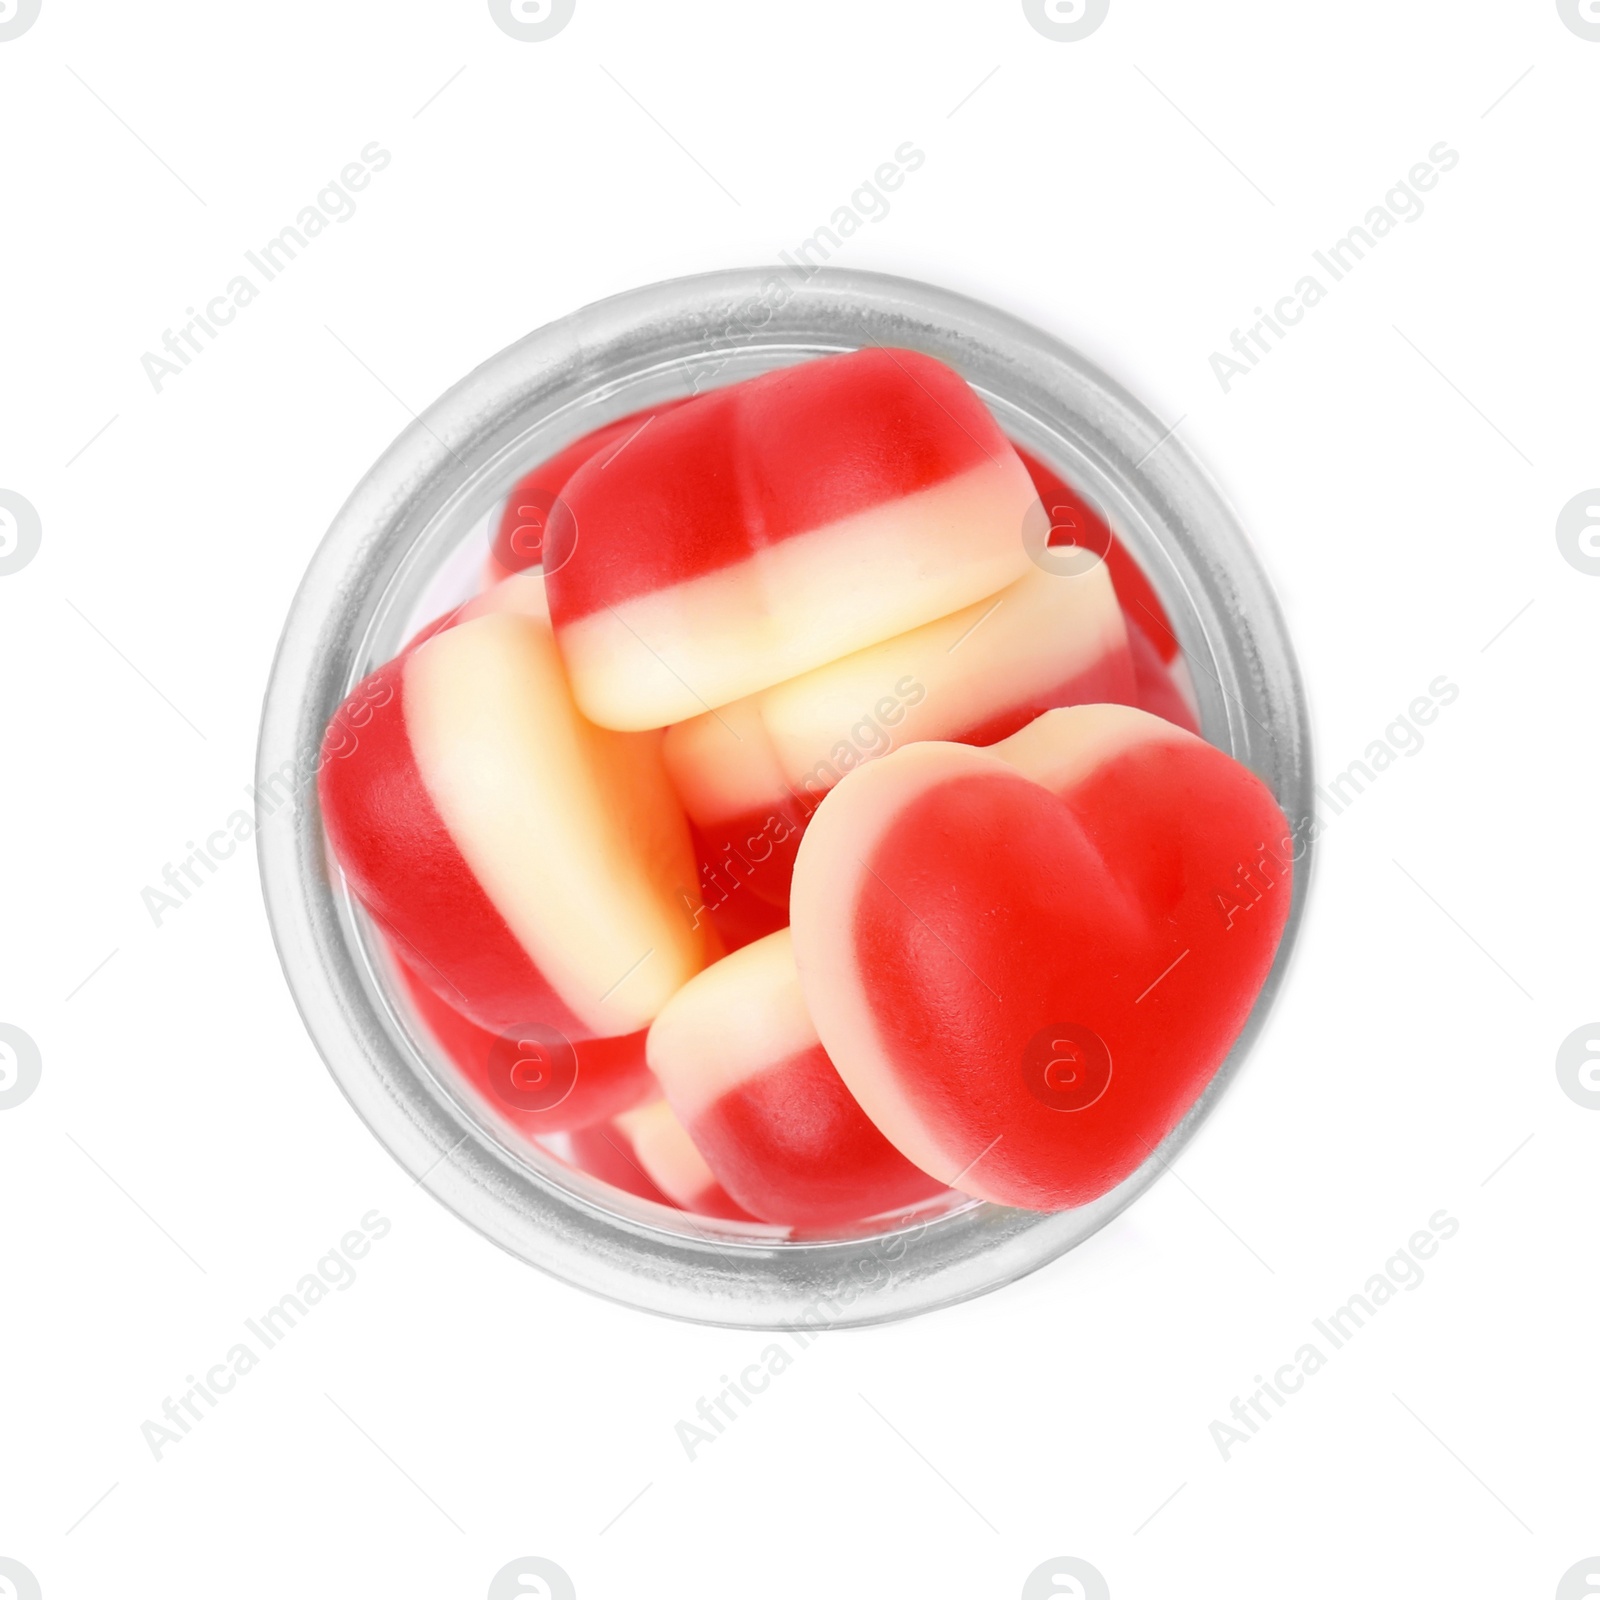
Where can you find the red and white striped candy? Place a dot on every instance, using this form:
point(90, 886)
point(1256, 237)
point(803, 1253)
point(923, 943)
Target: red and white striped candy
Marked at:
point(605, 1152)
point(761, 530)
point(1161, 679)
point(535, 527)
point(668, 1155)
point(750, 774)
point(533, 1078)
point(746, 823)
point(532, 867)
point(1073, 520)
point(741, 1064)
point(1027, 962)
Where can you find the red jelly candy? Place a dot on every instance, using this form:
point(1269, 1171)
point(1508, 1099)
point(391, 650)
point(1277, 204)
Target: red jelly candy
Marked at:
point(763, 529)
point(539, 1081)
point(668, 1155)
point(605, 1152)
point(535, 527)
point(532, 867)
point(1027, 962)
point(1073, 521)
point(743, 1068)
point(751, 773)
point(1155, 686)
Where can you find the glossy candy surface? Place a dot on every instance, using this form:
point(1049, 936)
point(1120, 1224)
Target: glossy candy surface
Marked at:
point(605, 1152)
point(760, 530)
point(1074, 520)
point(531, 867)
point(1024, 938)
point(535, 527)
point(668, 1155)
point(1027, 962)
point(741, 1065)
point(535, 1079)
point(751, 774)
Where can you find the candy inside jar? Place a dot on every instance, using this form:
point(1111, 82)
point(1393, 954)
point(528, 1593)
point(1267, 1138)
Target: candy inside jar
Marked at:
point(795, 837)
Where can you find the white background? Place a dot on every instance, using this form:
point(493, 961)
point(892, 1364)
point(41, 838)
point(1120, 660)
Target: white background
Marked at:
point(1400, 463)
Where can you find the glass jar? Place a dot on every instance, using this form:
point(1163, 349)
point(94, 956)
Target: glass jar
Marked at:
point(411, 541)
